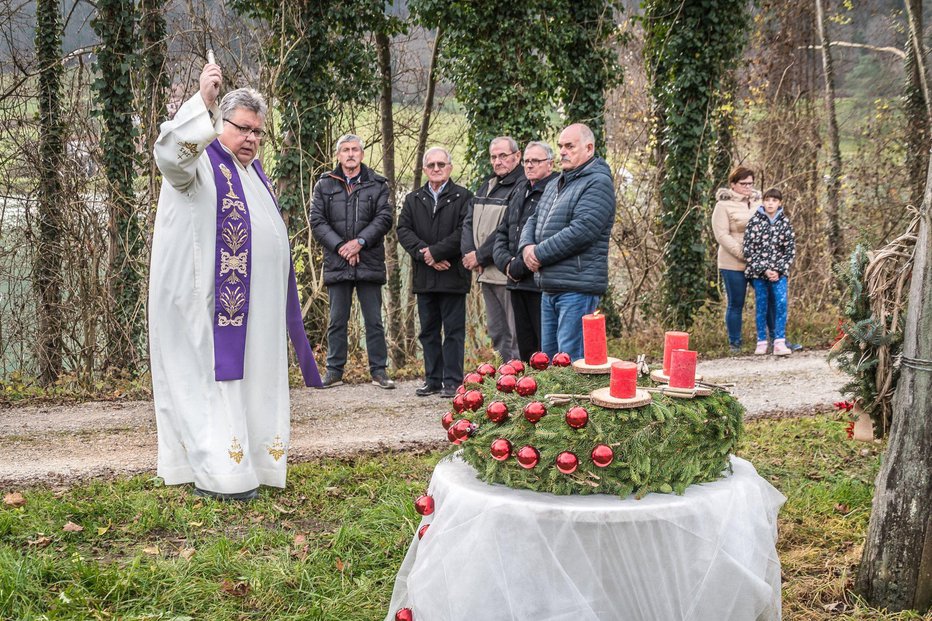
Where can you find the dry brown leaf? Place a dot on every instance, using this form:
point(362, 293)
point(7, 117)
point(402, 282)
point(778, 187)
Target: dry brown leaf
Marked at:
point(41, 541)
point(151, 550)
point(282, 509)
point(187, 553)
point(196, 524)
point(339, 565)
point(71, 527)
point(835, 607)
point(236, 589)
point(300, 539)
point(14, 499)
point(301, 553)
point(101, 530)
point(842, 508)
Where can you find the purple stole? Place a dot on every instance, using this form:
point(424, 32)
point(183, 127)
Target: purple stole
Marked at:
point(232, 268)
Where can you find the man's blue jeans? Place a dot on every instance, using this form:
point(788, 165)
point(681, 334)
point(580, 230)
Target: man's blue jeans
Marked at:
point(770, 299)
point(561, 321)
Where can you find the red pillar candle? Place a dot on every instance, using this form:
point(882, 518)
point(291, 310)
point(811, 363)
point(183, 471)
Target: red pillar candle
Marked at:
point(595, 348)
point(682, 369)
point(624, 381)
point(671, 341)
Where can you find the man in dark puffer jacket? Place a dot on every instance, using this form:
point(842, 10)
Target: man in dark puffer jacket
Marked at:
point(350, 216)
point(565, 242)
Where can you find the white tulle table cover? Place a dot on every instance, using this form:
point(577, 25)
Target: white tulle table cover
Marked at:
point(494, 553)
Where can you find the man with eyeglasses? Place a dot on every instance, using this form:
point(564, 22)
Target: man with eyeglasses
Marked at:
point(565, 241)
point(524, 291)
point(429, 229)
point(350, 216)
point(222, 296)
point(485, 214)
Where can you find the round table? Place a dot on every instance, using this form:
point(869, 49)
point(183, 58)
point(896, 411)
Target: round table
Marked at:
point(495, 553)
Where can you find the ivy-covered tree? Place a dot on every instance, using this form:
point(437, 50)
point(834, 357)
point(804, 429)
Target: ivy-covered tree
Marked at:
point(48, 277)
point(689, 48)
point(115, 23)
point(155, 85)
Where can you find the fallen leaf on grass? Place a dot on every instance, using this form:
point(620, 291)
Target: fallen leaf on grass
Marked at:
point(151, 550)
point(281, 509)
point(842, 508)
point(187, 553)
point(236, 589)
point(40, 542)
point(835, 607)
point(340, 565)
point(300, 539)
point(14, 499)
point(102, 530)
point(196, 524)
point(71, 527)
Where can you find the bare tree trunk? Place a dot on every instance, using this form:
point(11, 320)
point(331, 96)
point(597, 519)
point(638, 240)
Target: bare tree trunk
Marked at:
point(152, 32)
point(48, 267)
point(917, 116)
point(393, 302)
point(896, 566)
point(428, 108)
point(833, 209)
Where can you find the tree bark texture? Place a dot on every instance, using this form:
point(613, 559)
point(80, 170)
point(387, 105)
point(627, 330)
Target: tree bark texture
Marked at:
point(896, 565)
point(428, 109)
point(154, 96)
point(48, 265)
point(917, 114)
point(833, 209)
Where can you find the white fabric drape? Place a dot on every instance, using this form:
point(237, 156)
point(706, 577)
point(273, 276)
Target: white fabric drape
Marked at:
point(492, 552)
point(226, 436)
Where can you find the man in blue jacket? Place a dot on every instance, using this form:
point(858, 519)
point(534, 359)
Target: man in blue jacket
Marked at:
point(565, 242)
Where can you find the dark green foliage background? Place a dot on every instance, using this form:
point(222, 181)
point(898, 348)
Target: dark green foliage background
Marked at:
point(663, 447)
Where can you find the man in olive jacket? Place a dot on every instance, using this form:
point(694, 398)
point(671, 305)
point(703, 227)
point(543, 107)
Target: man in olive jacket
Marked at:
point(429, 229)
point(565, 242)
point(350, 215)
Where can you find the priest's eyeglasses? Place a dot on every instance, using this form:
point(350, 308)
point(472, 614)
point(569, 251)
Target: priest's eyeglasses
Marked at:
point(258, 134)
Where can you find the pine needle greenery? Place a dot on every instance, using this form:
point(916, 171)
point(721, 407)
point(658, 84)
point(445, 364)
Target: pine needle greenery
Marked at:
point(662, 447)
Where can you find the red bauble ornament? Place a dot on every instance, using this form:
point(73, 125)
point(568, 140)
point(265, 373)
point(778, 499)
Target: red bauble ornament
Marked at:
point(424, 504)
point(446, 420)
point(534, 411)
point(517, 365)
point(497, 411)
point(577, 417)
point(501, 449)
point(567, 462)
point(526, 386)
point(473, 378)
point(528, 457)
point(473, 400)
point(539, 361)
point(404, 614)
point(602, 455)
point(460, 389)
point(486, 369)
point(458, 404)
point(461, 430)
point(506, 383)
point(562, 359)
point(422, 530)
point(507, 369)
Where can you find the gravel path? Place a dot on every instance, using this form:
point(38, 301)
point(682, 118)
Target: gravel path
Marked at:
point(61, 444)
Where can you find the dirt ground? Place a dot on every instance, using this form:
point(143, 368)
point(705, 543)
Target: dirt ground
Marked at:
point(61, 444)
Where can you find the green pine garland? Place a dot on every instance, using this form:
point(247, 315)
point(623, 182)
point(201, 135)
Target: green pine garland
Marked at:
point(663, 447)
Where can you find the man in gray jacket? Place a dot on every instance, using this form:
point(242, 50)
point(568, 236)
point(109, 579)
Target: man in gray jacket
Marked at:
point(565, 242)
point(478, 241)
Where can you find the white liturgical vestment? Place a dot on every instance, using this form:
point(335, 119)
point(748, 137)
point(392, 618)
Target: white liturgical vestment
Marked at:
point(226, 436)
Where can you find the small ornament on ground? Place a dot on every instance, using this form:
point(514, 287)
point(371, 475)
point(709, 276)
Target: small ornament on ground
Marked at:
point(500, 449)
point(497, 411)
point(602, 455)
point(473, 399)
point(526, 386)
point(424, 504)
point(577, 417)
point(486, 369)
point(447, 419)
point(540, 361)
point(517, 365)
point(422, 530)
point(567, 462)
point(534, 411)
point(473, 378)
point(506, 383)
point(528, 457)
point(507, 369)
point(404, 614)
point(562, 359)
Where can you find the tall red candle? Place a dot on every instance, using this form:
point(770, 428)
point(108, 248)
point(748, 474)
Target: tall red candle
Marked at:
point(673, 340)
point(624, 380)
point(595, 348)
point(682, 369)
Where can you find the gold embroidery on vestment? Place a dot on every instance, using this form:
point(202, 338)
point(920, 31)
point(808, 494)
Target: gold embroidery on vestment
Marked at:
point(234, 234)
point(229, 177)
point(233, 262)
point(236, 451)
point(186, 150)
point(277, 449)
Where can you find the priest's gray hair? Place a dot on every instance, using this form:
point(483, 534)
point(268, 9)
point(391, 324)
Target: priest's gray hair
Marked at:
point(436, 150)
point(246, 98)
point(512, 143)
point(349, 138)
point(541, 145)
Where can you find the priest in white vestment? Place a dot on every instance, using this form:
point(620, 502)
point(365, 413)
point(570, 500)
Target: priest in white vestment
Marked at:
point(220, 363)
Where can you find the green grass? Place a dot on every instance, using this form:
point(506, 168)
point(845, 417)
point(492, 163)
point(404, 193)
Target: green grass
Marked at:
point(329, 545)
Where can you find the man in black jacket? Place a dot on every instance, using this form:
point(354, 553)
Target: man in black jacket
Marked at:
point(350, 216)
point(525, 293)
point(484, 215)
point(429, 229)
